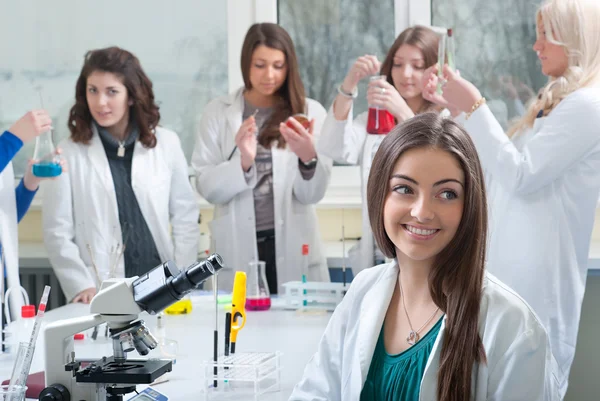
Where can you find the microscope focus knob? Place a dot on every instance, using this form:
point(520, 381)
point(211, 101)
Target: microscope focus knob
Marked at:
point(55, 392)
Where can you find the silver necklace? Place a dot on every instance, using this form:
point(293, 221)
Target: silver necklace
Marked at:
point(121, 149)
point(413, 336)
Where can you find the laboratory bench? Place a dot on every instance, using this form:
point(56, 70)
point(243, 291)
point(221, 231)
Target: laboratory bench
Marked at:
point(305, 332)
point(295, 335)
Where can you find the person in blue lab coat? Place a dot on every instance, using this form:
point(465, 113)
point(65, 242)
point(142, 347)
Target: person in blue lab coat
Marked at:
point(14, 202)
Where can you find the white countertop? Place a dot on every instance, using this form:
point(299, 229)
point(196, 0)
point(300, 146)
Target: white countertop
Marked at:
point(295, 335)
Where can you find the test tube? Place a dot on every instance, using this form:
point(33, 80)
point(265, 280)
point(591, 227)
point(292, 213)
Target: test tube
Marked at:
point(23, 363)
point(450, 50)
point(441, 62)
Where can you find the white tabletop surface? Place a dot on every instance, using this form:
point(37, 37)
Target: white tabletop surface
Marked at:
point(293, 334)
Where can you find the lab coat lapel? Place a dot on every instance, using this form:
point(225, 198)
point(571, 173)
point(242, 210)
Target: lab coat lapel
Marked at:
point(429, 381)
point(99, 162)
point(234, 114)
point(372, 313)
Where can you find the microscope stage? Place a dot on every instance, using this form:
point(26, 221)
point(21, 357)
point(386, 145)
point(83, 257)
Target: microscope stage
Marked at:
point(131, 371)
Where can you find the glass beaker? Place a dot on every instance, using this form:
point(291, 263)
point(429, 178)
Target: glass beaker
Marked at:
point(380, 121)
point(257, 290)
point(47, 161)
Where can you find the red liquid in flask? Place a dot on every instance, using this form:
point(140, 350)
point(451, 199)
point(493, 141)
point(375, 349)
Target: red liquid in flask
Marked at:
point(380, 121)
point(258, 304)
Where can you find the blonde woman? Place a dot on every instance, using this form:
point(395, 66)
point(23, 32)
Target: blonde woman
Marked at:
point(544, 175)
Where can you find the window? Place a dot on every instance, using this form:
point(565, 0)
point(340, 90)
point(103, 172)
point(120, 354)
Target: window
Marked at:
point(330, 34)
point(182, 47)
point(494, 50)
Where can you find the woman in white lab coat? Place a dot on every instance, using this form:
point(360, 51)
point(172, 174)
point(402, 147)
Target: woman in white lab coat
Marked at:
point(127, 204)
point(431, 325)
point(264, 177)
point(544, 176)
point(14, 202)
point(345, 138)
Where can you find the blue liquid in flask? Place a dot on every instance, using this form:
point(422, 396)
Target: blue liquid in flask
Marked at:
point(47, 169)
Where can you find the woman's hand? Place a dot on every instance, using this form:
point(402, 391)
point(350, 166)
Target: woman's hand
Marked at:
point(85, 296)
point(299, 139)
point(245, 139)
point(362, 67)
point(32, 124)
point(458, 94)
point(429, 83)
point(384, 95)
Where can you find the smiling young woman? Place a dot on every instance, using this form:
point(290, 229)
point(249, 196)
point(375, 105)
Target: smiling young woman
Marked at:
point(431, 325)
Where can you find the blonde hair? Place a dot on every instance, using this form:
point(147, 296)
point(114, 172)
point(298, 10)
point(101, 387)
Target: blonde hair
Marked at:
point(575, 25)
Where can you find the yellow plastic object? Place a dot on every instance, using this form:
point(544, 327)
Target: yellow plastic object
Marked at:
point(180, 307)
point(238, 304)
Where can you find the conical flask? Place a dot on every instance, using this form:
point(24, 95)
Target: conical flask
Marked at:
point(47, 162)
point(257, 289)
point(379, 120)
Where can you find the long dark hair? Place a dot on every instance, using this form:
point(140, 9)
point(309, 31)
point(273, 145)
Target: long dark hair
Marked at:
point(456, 279)
point(292, 99)
point(139, 90)
point(423, 39)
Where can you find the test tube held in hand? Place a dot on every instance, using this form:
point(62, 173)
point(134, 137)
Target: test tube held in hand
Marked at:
point(450, 50)
point(441, 62)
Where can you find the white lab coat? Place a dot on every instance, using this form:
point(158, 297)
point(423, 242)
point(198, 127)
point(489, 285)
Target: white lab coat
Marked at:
point(542, 191)
point(347, 141)
point(9, 238)
point(519, 362)
point(80, 208)
point(222, 183)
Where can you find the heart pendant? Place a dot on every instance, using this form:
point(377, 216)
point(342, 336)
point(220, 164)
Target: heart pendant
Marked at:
point(412, 338)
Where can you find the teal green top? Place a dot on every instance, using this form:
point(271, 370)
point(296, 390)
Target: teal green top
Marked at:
point(398, 377)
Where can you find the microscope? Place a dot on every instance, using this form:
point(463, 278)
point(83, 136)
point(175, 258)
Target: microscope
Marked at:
point(118, 303)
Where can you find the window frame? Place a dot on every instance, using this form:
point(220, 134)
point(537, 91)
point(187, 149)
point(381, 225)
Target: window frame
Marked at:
point(241, 14)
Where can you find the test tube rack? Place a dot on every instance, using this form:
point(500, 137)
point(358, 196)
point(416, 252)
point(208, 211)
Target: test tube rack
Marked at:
point(318, 295)
point(248, 374)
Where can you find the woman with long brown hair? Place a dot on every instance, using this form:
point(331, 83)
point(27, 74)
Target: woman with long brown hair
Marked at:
point(431, 325)
point(258, 165)
point(347, 139)
point(127, 205)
